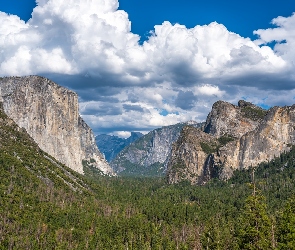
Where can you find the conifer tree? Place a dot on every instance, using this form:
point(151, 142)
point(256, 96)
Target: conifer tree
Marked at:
point(255, 230)
point(286, 227)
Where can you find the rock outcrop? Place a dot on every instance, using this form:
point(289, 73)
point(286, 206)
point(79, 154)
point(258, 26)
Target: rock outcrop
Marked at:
point(151, 151)
point(238, 137)
point(274, 135)
point(189, 155)
point(50, 115)
point(228, 119)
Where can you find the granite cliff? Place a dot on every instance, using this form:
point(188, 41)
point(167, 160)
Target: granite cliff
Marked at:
point(50, 115)
point(234, 137)
point(148, 155)
point(188, 156)
point(274, 135)
point(228, 119)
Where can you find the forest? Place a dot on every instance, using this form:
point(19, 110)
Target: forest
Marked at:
point(44, 205)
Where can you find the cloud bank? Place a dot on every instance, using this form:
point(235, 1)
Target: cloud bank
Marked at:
point(174, 76)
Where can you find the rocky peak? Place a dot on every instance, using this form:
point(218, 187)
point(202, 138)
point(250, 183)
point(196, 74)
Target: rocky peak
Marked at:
point(243, 104)
point(50, 115)
point(228, 119)
point(274, 135)
point(150, 153)
point(134, 136)
point(241, 136)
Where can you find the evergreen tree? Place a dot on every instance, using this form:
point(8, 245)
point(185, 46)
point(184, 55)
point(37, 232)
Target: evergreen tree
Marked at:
point(256, 229)
point(217, 234)
point(286, 227)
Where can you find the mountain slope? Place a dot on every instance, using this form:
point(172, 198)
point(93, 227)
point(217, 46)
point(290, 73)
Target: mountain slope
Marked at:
point(45, 205)
point(228, 119)
point(274, 135)
point(148, 155)
point(34, 187)
point(50, 115)
point(245, 135)
point(20, 151)
point(111, 145)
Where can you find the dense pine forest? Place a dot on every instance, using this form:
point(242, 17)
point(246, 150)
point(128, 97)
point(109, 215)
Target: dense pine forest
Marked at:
point(44, 205)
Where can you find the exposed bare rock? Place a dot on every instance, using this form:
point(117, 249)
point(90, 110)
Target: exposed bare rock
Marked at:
point(241, 136)
point(50, 115)
point(190, 158)
point(111, 145)
point(228, 119)
point(274, 135)
point(149, 154)
point(152, 148)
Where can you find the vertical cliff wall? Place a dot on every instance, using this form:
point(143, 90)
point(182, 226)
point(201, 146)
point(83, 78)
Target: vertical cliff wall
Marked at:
point(228, 119)
point(189, 156)
point(50, 115)
point(240, 137)
point(149, 151)
point(274, 135)
point(152, 148)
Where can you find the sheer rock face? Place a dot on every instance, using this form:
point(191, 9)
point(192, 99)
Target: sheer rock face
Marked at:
point(152, 148)
point(256, 136)
point(111, 145)
point(50, 115)
point(188, 161)
point(149, 149)
point(274, 135)
point(228, 119)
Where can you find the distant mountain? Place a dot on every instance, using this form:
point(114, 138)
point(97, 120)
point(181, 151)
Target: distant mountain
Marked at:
point(111, 145)
point(45, 205)
point(148, 155)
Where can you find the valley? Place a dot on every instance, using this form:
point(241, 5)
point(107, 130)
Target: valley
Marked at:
point(173, 188)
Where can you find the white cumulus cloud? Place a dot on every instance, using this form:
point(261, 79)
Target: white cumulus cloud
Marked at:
point(174, 76)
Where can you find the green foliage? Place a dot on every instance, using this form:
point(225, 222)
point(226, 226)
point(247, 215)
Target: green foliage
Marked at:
point(223, 140)
point(286, 226)
point(255, 230)
point(135, 170)
point(208, 148)
point(253, 112)
point(44, 205)
point(218, 234)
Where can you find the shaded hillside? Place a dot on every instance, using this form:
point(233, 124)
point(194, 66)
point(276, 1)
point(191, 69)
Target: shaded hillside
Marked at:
point(111, 145)
point(35, 191)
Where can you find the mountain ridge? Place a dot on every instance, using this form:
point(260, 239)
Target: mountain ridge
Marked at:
point(246, 135)
point(149, 154)
point(111, 145)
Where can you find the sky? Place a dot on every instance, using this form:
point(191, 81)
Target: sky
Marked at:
point(140, 65)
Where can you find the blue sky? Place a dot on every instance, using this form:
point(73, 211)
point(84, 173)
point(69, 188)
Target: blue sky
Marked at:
point(240, 17)
point(146, 64)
